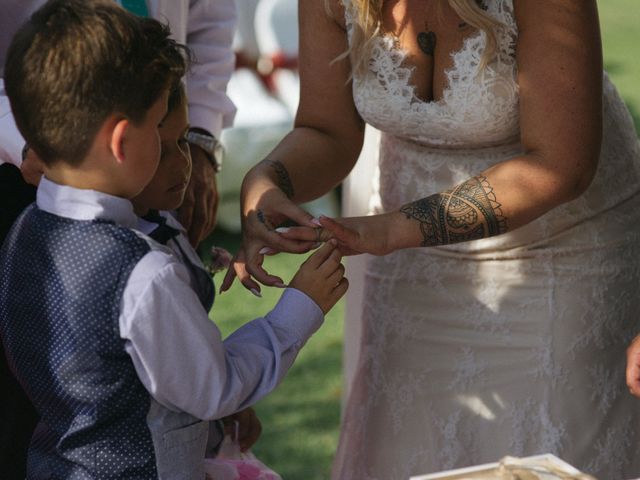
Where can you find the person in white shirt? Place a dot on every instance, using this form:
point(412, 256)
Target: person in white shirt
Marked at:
point(100, 323)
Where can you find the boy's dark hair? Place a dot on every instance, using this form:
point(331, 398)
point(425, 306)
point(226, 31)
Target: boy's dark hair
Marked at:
point(75, 62)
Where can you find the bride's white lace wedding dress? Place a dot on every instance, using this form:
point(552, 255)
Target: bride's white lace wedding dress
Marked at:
point(509, 345)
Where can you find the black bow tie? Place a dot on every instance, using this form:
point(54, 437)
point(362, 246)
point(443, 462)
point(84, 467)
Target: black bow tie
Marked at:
point(163, 232)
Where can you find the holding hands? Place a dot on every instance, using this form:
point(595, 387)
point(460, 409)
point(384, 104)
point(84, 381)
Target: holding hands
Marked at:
point(265, 205)
point(354, 235)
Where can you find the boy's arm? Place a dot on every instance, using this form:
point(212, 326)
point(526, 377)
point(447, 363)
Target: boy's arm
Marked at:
point(179, 354)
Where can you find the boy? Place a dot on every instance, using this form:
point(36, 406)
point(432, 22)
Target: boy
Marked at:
point(100, 324)
point(164, 193)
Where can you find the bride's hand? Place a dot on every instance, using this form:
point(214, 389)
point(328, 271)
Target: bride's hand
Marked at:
point(372, 234)
point(264, 207)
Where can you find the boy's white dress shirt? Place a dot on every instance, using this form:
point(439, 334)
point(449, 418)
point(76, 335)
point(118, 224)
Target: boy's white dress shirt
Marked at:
point(206, 26)
point(177, 351)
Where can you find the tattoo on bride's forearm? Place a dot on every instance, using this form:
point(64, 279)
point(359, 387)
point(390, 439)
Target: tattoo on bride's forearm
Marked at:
point(283, 178)
point(467, 212)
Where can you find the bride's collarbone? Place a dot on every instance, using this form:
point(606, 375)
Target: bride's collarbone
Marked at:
point(428, 38)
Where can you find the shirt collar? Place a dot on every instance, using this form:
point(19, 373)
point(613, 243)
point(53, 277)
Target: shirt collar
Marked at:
point(80, 204)
point(147, 227)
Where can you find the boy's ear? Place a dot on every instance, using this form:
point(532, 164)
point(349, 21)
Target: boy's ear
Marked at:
point(118, 132)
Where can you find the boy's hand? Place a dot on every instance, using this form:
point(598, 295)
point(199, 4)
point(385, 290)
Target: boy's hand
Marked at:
point(249, 427)
point(321, 276)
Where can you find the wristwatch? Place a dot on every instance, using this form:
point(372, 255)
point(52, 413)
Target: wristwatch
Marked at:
point(210, 145)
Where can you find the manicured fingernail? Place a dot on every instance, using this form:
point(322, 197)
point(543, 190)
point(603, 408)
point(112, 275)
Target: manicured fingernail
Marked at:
point(264, 250)
point(282, 229)
point(315, 221)
point(280, 285)
point(256, 292)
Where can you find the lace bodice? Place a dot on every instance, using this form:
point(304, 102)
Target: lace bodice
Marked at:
point(478, 108)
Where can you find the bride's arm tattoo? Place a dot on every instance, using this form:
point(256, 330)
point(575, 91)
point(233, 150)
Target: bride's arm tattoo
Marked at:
point(283, 179)
point(466, 212)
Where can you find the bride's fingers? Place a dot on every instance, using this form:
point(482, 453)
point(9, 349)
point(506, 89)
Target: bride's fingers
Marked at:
point(277, 240)
point(267, 251)
point(229, 277)
point(304, 234)
point(255, 269)
point(338, 231)
point(240, 270)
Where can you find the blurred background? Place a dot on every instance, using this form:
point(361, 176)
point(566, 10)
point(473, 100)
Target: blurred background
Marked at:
point(301, 418)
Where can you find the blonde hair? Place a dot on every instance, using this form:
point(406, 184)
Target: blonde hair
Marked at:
point(367, 20)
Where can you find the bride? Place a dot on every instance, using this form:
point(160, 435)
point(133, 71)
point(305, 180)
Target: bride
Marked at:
point(504, 283)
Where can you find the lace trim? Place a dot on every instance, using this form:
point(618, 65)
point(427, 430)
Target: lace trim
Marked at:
point(476, 107)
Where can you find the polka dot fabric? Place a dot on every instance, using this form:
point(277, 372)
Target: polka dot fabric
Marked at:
point(60, 291)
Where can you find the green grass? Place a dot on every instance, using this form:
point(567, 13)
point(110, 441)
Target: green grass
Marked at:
point(620, 25)
point(301, 418)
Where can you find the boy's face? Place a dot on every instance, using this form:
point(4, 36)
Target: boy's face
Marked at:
point(166, 189)
point(142, 143)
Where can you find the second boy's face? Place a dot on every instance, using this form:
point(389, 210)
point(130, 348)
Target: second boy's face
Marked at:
point(142, 147)
point(166, 189)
